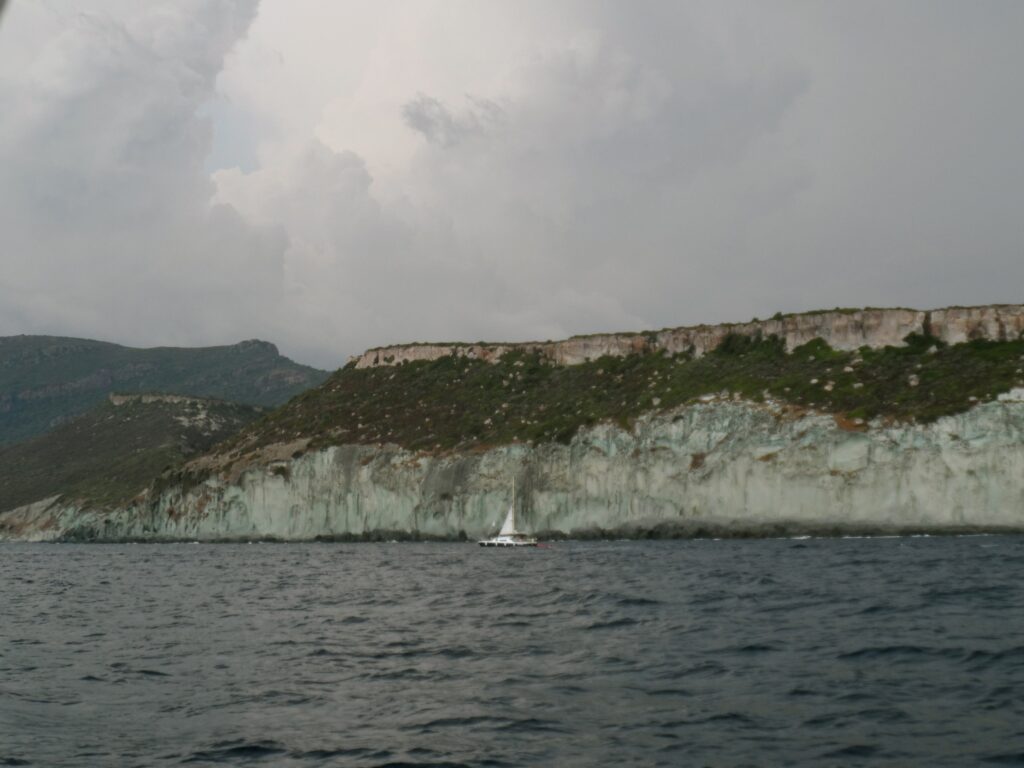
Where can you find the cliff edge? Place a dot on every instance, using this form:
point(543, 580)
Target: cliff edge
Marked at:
point(840, 329)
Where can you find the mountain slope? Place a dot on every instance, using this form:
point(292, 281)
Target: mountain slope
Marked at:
point(461, 403)
point(113, 451)
point(45, 380)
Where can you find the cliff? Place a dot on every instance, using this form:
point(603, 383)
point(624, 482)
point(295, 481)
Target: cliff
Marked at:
point(828, 423)
point(840, 329)
point(721, 467)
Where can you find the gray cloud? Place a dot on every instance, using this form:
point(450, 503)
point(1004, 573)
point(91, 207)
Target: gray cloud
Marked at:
point(695, 162)
point(439, 125)
point(108, 230)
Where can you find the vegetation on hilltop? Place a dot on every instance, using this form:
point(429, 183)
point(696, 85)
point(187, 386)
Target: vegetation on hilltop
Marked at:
point(113, 452)
point(45, 380)
point(456, 402)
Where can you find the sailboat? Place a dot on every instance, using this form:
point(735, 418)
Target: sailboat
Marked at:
point(508, 536)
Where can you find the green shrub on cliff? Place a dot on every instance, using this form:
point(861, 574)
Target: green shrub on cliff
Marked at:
point(460, 403)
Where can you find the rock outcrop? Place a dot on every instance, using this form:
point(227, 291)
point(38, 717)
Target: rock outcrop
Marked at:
point(959, 324)
point(842, 329)
point(118, 399)
point(721, 467)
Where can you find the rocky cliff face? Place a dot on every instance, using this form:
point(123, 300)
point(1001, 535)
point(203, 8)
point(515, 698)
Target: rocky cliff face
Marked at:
point(958, 324)
point(719, 466)
point(845, 330)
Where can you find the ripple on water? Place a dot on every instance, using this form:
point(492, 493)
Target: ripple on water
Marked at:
point(236, 751)
point(1005, 758)
point(893, 651)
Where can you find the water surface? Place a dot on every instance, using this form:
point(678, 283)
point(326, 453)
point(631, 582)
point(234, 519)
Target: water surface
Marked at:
point(722, 653)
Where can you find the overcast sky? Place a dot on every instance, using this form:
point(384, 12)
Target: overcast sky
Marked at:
point(333, 175)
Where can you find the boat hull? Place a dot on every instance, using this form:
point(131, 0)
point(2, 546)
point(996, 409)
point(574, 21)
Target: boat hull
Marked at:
point(507, 544)
point(503, 542)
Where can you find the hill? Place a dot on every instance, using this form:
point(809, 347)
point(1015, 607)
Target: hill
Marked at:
point(113, 451)
point(45, 380)
point(458, 402)
point(840, 422)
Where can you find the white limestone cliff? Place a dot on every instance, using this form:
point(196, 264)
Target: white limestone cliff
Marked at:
point(722, 466)
point(842, 329)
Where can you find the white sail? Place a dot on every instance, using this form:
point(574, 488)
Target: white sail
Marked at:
point(509, 526)
point(509, 536)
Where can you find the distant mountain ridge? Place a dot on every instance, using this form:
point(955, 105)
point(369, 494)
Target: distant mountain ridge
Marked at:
point(47, 380)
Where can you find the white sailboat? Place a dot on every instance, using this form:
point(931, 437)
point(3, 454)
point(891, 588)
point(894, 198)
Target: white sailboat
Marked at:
point(508, 536)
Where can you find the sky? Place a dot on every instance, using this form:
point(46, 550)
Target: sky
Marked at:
point(332, 175)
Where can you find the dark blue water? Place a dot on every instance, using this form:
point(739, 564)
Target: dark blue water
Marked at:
point(818, 652)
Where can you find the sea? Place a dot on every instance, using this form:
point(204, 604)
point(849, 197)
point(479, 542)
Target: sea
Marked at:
point(830, 652)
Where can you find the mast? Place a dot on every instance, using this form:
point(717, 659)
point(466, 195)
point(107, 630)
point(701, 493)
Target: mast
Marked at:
point(513, 502)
